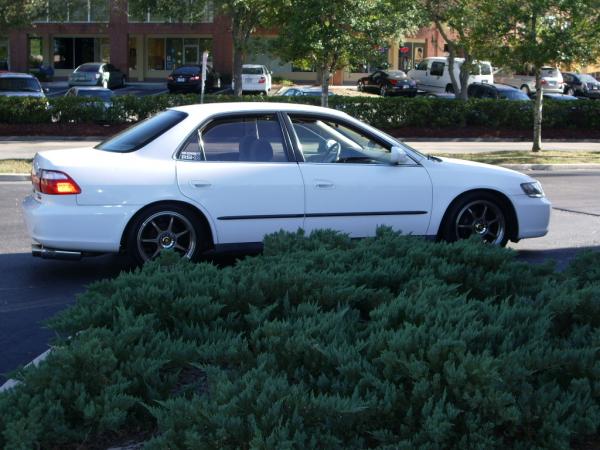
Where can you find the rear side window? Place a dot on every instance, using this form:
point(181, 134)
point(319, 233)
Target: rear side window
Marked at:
point(486, 69)
point(437, 68)
point(143, 133)
point(549, 72)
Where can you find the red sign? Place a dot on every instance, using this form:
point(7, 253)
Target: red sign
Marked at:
point(404, 49)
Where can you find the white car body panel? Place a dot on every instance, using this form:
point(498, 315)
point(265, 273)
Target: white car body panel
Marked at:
point(115, 186)
point(251, 82)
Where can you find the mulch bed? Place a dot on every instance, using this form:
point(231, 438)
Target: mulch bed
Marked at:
point(101, 130)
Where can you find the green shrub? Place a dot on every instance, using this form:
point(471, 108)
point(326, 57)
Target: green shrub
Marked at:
point(385, 113)
point(324, 342)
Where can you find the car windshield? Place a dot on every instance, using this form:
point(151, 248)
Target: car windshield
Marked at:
point(587, 78)
point(187, 70)
point(106, 96)
point(143, 133)
point(513, 94)
point(396, 74)
point(549, 72)
point(19, 84)
point(88, 68)
point(486, 69)
point(252, 70)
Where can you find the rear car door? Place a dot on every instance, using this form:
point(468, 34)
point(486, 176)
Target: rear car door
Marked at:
point(239, 169)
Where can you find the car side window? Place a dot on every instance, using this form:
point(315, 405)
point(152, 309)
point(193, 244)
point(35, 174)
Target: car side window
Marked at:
point(325, 140)
point(422, 65)
point(245, 139)
point(437, 68)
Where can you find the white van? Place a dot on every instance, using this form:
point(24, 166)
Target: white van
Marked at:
point(432, 74)
point(552, 80)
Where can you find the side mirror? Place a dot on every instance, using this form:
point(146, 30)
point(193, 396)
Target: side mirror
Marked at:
point(399, 156)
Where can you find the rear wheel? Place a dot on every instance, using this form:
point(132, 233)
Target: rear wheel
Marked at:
point(383, 90)
point(360, 86)
point(165, 227)
point(525, 89)
point(449, 89)
point(570, 91)
point(477, 214)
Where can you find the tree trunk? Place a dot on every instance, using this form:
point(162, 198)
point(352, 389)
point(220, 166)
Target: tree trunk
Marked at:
point(325, 87)
point(238, 60)
point(537, 112)
point(464, 77)
point(455, 85)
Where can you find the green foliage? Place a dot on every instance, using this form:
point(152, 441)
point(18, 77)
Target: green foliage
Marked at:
point(384, 113)
point(324, 342)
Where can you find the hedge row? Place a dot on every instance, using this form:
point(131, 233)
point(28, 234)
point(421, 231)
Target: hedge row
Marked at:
point(323, 342)
point(385, 113)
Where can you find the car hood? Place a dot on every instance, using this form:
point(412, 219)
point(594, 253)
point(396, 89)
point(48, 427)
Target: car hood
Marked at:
point(22, 94)
point(476, 175)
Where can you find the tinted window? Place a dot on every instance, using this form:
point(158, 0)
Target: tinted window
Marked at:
point(587, 78)
point(249, 139)
point(187, 70)
point(104, 95)
point(550, 72)
point(19, 84)
point(396, 74)
point(142, 133)
point(437, 68)
point(252, 70)
point(422, 65)
point(88, 68)
point(513, 94)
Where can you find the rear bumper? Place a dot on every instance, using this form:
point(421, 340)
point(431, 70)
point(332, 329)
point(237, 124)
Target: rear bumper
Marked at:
point(64, 226)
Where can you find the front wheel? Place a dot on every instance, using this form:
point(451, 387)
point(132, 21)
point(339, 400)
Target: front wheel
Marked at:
point(165, 227)
point(480, 215)
point(360, 87)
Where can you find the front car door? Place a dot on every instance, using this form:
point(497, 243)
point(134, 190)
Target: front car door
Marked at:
point(239, 169)
point(350, 184)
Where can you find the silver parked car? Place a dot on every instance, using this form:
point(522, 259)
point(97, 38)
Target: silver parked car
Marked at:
point(97, 74)
point(93, 92)
point(552, 80)
point(13, 84)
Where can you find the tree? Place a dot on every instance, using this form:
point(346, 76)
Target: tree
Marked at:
point(328, 35)
point(537, 33)
point(18, 13)
point(246, 16)
point(459, 23)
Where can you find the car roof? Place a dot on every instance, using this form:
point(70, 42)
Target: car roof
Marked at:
point(504, 87)
point(15, 75)
point(90, 88)
point(252, 65)
point(208, 109)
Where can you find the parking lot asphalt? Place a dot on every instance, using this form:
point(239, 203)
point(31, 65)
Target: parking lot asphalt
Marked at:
point(26, 147)
point(57, 89)
point(32, 290)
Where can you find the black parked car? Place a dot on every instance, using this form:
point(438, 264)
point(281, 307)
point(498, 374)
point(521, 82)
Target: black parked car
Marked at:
point(388, 82)
point(581, 84)
point(189, 79)
point(496, 91)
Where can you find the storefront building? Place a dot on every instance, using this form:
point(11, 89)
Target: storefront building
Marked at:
point(149, 47)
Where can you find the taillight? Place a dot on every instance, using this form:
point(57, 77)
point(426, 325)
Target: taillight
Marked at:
point(262, 80)
point(53, 182)
point(393, 82)
point(170, 78)
point(195, 78)
point(544, 81)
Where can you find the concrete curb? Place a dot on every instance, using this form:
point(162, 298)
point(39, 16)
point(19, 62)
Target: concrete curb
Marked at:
point(11, 383)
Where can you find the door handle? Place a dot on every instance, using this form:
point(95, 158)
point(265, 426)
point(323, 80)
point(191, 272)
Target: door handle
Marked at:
point(200, 184)
point(322, 184)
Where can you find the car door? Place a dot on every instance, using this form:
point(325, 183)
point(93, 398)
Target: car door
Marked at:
point(238, 168)
point(373, 81)
point(436, 76)
point(350, 184)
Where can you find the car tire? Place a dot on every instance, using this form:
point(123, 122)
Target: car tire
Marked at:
point(477, 213)
point(449, 89)
point(360, 87)
point(165, 227)
point(525, 89)
point(382, 91)
point(570, 91)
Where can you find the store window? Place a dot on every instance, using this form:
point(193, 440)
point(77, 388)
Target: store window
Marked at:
point(77, 11)
point(69, 52)
point(170, 53)
point(36, 57)
point(3, 53)
point(132, 53)
point(148, 15)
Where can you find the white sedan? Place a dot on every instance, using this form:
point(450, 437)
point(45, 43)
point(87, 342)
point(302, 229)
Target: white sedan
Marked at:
point(222, 176)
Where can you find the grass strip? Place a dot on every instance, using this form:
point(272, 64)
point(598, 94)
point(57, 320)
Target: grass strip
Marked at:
point(528, 157)
point(15, 165)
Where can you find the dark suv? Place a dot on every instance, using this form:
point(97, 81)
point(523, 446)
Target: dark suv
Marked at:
point(497, 91)
point(189, 79)
point(581, 84)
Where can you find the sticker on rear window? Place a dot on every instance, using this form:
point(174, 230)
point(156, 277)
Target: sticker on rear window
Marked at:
point(191, 156)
